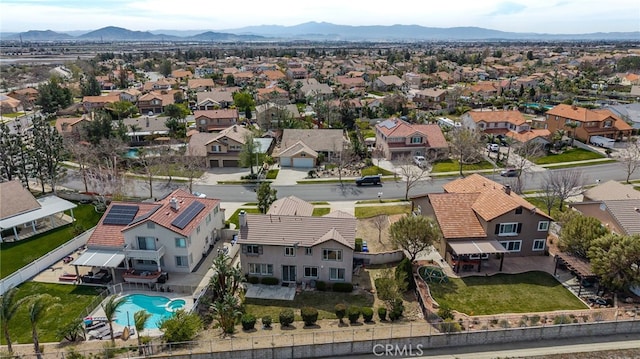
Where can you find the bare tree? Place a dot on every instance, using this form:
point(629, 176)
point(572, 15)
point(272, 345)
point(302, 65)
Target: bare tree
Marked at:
point(152, 166)
point(104, 175)
point(82, 154)
point(548, 196)
point(192, 166)
point(345, 158)
point(565, 183)
point(412, 173)
point(521, 161)
point(380, 222)
point(466, 146)
point(630, 158)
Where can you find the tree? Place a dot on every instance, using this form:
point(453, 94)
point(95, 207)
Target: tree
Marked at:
point(266, 196)
point(52, 96)
point(616, 260)
point(565, 183)
point(140, 319)
point(110, 308)
point(548, 196)
point(244, 100)
point(176, 111)
point(412, 174)
point(225, 288)
point(37, 306)
point(9, 305)
point(415, 234)
point(177, 129)
point(389, 287)
point(192, 166)
point(47, 153)
point(182, 327)
point(73, 330)
point(524, 153)
point(227, 311)
point(121, 109)
point(165, 68)
point(90, 87)
point(152, 166)
point(572, 125)
point(380, 222)
point(578, 232)
point(466, 145)
point(249, 153)
point(630, 158)
point(82, 154)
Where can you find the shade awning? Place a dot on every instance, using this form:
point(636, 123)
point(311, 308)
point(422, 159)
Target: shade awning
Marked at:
point(49, 205)
point(99, 258)
point(490, 246)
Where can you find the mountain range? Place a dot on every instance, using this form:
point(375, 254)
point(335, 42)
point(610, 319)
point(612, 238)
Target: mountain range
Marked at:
point(315, 31)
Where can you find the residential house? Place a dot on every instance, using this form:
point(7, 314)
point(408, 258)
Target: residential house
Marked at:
point(269, 114)
point(615, 204)
point(511, 123)
point(9, 104)
point(431, 99)
point(181, 75)
point(70, 126)
point(290, 206)
point(159, 85)
point(329, 142)
point(219, 97)
point(215, 120)
point(170, 235)
point(273, 94)
point(298, 155)
point(389, 83)
point(479, 217)
point(600, 122)
point(311, 88)
point(200, 85)
point(355, 83)
point(154, 102)
point(27, 96)
point(629, 112)
point(297, 73)
point(219, 149)
point(273, 75)
point(144, 128)
point(296, 249)
point(130, 95)
point(94, 103)
point(483, 90)
point(396, 139)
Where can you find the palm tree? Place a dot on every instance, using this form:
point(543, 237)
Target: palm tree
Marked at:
point(572, 125)
point(8, 308)
point(110, 308)
point(140, 319)
point(38, 305)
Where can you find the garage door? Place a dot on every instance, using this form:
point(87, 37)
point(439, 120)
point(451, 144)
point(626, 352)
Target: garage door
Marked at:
point(213, 163)
point(285, 161)
point(229, 163)
point(303, 162)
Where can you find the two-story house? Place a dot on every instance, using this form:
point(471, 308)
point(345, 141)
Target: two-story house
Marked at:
point(199, 85)
point(296, 248)
point(154, 102)
point(220, 149)
point(479, 217)
point(145, 239)
point(94, 103)
point(215, 120)
point(511, 123)
point(388, 83)
point(431, 99)
point(396, 139)
point(216, 99)
point(600, 122)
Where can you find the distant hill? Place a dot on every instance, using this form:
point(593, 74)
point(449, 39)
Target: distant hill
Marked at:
point(112, 33)
point(222, 36)
point(37, 35)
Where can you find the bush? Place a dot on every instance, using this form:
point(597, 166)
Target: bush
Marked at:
point(382, 313)
point(405, 267)
point(358, 247)
point(343, 287)
point(248, 322)
point(450, 326)
point(286, 317)
point(353, 314)
point(322, 286)
point(309, 315)
point(445, 312)
point(367, 314)
point(562, 319)
point(340, 310)
point(253, 280)
point(396, 311)
point(266, 321)
point(269, 281)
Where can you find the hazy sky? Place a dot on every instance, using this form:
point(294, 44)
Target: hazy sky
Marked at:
point(542, 16)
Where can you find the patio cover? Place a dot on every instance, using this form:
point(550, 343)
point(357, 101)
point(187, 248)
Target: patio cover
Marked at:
point(99, 258)
point(490, 246)
point(49, 205)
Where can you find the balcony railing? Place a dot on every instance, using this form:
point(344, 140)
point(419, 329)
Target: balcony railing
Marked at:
point(146, 254)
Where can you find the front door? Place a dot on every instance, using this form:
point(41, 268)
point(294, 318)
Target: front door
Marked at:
point(288, 274)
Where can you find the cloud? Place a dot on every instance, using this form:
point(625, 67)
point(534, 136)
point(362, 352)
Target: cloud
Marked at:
point(508, 8)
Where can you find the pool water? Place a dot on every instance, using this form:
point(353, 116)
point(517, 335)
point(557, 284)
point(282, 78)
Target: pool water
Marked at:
point(159, 307)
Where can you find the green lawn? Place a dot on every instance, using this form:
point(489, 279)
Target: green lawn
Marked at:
point(15, 255)
point(74, 300)
point(366, 201)
point(538, 202)
point(372, 211)
point(174, 170)
point(375, 170)
point(574, 154)
point(505, 293)
point(324, 302)
point(321, 211)
point(454, 165)
point(234, 217)
point(579, 164)
point(272, 174)
point(13, 114)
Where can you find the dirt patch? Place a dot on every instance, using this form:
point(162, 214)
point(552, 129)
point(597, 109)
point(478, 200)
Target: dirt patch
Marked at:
point(378, 241)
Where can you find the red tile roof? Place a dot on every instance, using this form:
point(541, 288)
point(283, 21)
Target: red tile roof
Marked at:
point(511, 116)
point(398, 128)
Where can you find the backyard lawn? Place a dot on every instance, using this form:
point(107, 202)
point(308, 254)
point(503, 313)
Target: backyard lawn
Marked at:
point(454, 165)
point(574, 154)
point(321, 211)
point(74, 299)
point(372, 211)
point(505, 293)
point(15, 255)
point(234, 217)
point(324, 302)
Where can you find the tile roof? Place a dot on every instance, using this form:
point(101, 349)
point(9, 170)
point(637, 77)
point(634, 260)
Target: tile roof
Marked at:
point(455, 215)
point(611, 190)
point(329, 140)
point(510, 116)
point(627, 213)
point(291, 206)
point(339, 214)
point(15, 199)
point(297, 148)
point(395, 127)
point(195, 83)
point(304, 231)
point(216, 114)
point(578, 113)
point(198, 143)
point(527, 136)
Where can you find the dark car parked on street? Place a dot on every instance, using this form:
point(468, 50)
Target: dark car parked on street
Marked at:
point(374, 180)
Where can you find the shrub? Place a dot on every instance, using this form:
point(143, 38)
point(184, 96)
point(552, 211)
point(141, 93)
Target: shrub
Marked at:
point(340, 310)
point(450, 326)
point(253, 280)
point(266, 321)
point(343, 287)
point(353, 314)
point(269, 281)
point(248, 322)
point(504, 323)
point(445, 312)
point(286, 317)
point(405, 267)
point(562, 319)
point(358, 247)
point(322, 286)
point(382, 313)
point(309, 315)
point(367, 314)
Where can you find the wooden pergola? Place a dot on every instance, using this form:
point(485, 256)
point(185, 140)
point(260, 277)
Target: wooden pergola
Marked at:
point(578, 266)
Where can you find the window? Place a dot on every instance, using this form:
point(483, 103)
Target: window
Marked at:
point(331, 255)
point(181, 243)
point(511, 246)
point(543, 226)
point(203, 121)
point(215, 148)
point(151, 225)
point(148, 243)
point(181, 261)
point(311, 272)
point(308, 251)
point(252, 249)
point(289, 251)
point(416, 139)
point(209, 218)
point(198, 230)
point(215, 210)
point(260, 269)
point(508, 229)
point(519, 210)
point(538, 244)
point(607, 124)
point(336, 274)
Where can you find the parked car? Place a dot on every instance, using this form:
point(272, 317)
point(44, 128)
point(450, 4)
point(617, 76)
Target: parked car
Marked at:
point(509, 172)
point(374, 180)
point(365, 246)
point(420, 161)
point(493, 147)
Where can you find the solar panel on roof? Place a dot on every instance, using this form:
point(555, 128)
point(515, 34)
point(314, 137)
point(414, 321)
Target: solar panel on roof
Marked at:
point(188, 215)
point(120, 215)
point(145, 216)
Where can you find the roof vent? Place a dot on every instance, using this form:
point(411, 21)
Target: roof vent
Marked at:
point(507, 189)
point(173, 202)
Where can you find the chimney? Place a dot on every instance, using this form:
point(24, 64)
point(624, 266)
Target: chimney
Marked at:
point(507, 189)
point(173, 202)
point(235, 129)
point(242, 219)
point(574, 107)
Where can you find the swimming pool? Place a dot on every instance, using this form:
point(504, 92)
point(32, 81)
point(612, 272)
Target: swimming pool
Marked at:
point(159, 308)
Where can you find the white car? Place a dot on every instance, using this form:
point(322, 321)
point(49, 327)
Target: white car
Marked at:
point(493, 147)
point(420, 161)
